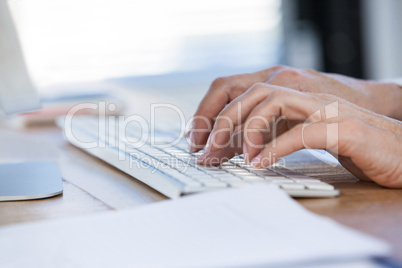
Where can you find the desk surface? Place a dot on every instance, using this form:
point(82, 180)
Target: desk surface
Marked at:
point(91, 186)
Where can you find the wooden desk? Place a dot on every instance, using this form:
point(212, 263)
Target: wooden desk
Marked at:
point(91, 186)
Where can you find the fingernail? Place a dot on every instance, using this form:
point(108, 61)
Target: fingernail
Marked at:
point(187, 134)
point(256, 161)
point(192, 145)
point(202, 158)
point(245, 154)
point(209, 143)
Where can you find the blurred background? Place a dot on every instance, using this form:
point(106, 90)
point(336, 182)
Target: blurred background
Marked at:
point(159, 44)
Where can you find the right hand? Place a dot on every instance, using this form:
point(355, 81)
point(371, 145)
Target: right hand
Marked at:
point(278, 121)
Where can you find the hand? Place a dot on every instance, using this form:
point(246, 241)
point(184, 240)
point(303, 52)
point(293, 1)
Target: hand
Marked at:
point(382, 98)
point(369, 145)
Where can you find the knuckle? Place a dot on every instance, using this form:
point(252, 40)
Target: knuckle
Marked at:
point(277, 67)
point(278, 93)
point(201, 122)
point(235, 90)
point(329, 97)
point(257, 87)
point(219, 83)
point(285, 76)
point(310, 71)
point(223, 115)
point(289, 73)
point(255, 121)
point(353, 128)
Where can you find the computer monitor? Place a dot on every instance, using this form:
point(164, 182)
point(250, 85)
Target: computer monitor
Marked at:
point(20, 181)
point(17, 92)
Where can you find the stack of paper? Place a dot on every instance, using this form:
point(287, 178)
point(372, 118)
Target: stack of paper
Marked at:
point(251, 226)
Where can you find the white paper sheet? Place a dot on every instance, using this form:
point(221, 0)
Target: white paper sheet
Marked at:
point(255, 225)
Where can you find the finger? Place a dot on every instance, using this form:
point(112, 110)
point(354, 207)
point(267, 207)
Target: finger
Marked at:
point(203, 120)
point(313, 136)
point(234, 114)
point(224, 154)
point(347, 163)
point(221, 92)
point(265, 119)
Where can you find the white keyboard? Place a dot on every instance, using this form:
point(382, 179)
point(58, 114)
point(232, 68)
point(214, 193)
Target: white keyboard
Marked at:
point(173, 170)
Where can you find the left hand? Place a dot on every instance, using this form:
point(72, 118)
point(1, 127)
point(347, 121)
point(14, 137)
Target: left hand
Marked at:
point(381, 98)
point(271, 122)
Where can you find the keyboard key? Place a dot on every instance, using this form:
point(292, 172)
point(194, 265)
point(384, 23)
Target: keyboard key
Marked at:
point(230, 179)
point(237, 161)
point(299, 176)
point(234, 168)
point(181, 146)
point(219, 175)
point(190, 161)
point(263, 172)
point(227, 175)
point(241, 172)
point(180, 177)
point(206, 179)
point(206, 168)
point(247, 166)
point(238, 183)
point(172, 150)
point(228, 164)
point(198, 154)
point(291, 186)
point(318, 186)
point(237, 171)
point(215, 183)
point(189, 182)
point(287, 172)
point(194, 189)
point(201, 177)
point(305, 180)
point(277, 179)
point(192, 170)
point(252, 178)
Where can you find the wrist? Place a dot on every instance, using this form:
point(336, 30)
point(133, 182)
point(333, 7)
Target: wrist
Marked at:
point(386, 99)
point(395, 100)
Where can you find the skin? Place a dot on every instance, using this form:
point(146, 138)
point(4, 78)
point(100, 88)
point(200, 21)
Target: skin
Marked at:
point(350, 118)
